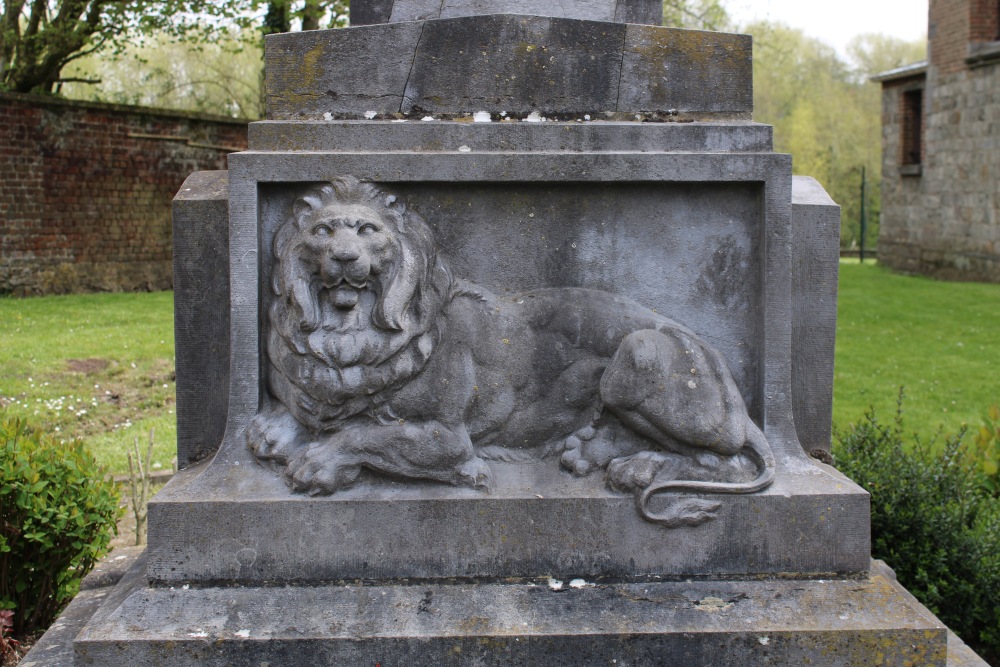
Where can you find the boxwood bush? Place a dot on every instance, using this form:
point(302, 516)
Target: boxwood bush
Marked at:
point(58, 511)
point(935, 521)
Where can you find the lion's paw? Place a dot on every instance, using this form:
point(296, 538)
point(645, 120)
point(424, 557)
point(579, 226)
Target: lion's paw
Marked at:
point(320, 469)
point(636, 472)
point(274, 435)
point(477, 474)
point(594, 447)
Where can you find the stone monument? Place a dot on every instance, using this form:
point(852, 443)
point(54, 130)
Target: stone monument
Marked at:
point(512, 354)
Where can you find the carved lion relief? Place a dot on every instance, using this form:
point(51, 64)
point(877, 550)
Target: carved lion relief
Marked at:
point(381, 359)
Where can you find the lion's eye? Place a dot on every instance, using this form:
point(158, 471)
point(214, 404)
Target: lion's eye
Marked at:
point(367, 229)
point(322, 230)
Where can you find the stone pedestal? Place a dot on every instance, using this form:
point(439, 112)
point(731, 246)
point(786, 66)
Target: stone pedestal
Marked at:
point(596, 157)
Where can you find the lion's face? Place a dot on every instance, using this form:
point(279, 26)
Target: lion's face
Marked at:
point(357, 287)
point(344, 249)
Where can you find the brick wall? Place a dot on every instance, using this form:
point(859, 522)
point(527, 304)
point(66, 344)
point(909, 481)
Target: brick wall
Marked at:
point(86, 190)
point(984, 21)
point(948, 34)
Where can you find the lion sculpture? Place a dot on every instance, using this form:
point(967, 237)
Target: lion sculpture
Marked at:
point(381, 359)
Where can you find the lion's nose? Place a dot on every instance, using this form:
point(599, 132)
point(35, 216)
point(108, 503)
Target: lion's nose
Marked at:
point(345, 249)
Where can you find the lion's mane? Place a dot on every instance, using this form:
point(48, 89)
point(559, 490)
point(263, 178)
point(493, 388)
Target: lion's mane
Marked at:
point(344, 371)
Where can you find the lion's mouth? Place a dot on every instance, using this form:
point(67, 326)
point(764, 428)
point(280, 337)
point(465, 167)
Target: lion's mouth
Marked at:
point(345, 295)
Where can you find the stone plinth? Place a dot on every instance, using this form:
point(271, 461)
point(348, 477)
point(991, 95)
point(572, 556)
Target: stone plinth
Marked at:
point(538, 521)
point(829, 623)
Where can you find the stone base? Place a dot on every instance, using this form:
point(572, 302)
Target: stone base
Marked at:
point(241, 524)
point(856, 621)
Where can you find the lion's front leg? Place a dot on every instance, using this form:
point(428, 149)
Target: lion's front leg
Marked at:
point(428, 451)
point(275, 435)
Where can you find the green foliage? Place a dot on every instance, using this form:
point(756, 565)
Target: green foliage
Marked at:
point(223, 78)
point(827, 113)
point(985, 452)
point(39, 38)
point(696, 14)
point(938, 339)
point(57, 514)
point(933, 522)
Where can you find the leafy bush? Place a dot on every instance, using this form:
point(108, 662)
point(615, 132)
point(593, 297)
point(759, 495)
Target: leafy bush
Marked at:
point(57, 514)
point(986, 449)
point(934, 521)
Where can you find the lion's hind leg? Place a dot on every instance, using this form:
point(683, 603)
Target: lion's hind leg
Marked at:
point(275, 435)
point(675, 390)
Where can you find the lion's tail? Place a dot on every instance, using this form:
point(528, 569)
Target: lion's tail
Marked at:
point(758, 450)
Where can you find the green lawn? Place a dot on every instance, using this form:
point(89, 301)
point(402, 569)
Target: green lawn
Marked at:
point(97, 366)
point(101, 366)
point(938, 340)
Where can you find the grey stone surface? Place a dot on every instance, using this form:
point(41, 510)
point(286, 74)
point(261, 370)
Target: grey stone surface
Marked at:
point(366, 12)
point(201, 313)
point(564, 137)
point(55, 648)
point(539, 520)
point(815, 265)
point(381, 359)
point(687, 71)
point(511, 64)
point(515, 64)
point(845, 622)
point(341, 72)
point(747, 325)
point(661, 210)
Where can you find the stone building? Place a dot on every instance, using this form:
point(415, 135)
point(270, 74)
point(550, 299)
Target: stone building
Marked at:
point(941, 149)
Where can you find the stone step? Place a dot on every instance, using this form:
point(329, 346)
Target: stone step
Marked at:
point(857, 621)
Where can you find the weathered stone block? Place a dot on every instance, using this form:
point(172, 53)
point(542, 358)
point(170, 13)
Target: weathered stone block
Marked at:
point(509, 63)
point(815, 265)
point(864, 621)
point(366, 12)
point(339, 71)
point(539, 520)
point(686, 71)
point(201, 313)
point(516, 64)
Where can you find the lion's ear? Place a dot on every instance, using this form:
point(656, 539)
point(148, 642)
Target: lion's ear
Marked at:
point(312, 200)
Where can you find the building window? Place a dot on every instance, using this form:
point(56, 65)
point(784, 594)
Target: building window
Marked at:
point(913, 126)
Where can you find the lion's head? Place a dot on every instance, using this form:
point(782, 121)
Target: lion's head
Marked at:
point(355, 279)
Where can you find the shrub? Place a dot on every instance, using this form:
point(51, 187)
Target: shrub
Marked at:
point(985, 451)
point(934, 521)
point(57, 514)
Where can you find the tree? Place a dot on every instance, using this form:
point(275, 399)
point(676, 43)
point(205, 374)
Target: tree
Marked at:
point(312, 14)
point(38, 38)
point(826, 112)
point(696, 14)
point(222, 77)
point(872, 54)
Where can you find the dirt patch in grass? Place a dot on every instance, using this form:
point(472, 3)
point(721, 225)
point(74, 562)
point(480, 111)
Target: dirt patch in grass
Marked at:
point(86, 366)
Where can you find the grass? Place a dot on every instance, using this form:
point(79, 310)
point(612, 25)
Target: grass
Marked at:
point(101, 366)
point(95, 366)
point(938, 340)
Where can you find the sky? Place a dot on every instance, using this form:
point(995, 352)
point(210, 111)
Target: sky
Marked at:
point(837, 22)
